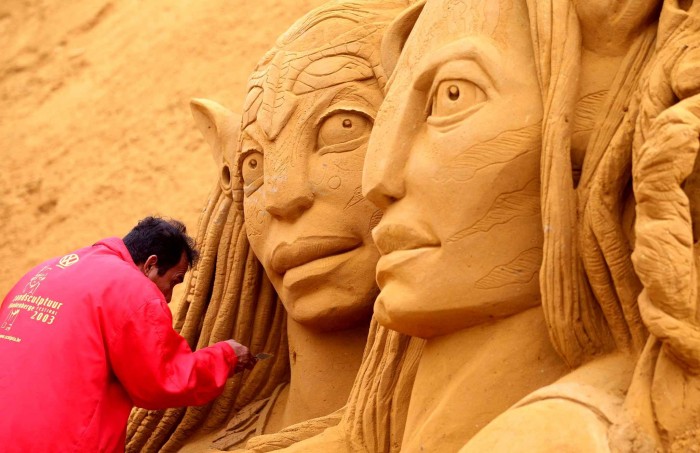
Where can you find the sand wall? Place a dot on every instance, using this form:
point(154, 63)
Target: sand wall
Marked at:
point(95, 125)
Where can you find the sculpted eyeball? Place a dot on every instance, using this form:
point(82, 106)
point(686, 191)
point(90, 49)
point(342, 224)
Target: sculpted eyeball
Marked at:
point(252, 170)
point(343, 131)
point(455, 96)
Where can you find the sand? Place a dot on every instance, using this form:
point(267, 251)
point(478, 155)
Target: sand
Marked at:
point(95, 126)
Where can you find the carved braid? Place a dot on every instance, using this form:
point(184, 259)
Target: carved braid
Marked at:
point(576, 326)
point(666, 149)
point(227, 296)
point(603, 195)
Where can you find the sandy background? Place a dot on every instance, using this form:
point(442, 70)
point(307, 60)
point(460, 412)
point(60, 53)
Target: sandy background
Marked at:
point(95, 125)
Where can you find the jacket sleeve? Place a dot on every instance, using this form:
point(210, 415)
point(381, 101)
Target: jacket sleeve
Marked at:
point(157, 367)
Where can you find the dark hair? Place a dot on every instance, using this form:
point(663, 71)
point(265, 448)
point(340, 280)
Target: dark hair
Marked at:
point(166, 239)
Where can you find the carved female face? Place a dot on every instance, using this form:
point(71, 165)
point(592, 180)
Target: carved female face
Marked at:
point(454, 164)
point(306, 125)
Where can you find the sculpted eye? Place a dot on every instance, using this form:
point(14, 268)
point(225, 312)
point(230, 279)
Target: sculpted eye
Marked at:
point(252, 169)
point(452, 97)
point(343, 131)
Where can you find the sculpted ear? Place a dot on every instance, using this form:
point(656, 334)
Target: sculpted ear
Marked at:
point(396, 35)
point(219, 126)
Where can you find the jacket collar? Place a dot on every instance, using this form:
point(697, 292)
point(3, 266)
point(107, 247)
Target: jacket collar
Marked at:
point(117, 246)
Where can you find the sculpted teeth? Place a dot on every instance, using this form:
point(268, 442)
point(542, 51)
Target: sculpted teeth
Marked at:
point(395, 237)
point(287, 256)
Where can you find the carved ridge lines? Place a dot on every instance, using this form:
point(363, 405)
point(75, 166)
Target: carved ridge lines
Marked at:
point(506, 207)
point(356, 198)
point(505, 147)
point(345, 68)
point(283, 80)
point(375, 219)
point(586, 110)
point(358, 16)
point(521, 270)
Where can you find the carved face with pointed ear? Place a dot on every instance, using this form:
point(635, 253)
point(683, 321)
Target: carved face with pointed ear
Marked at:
point(220, 128)
point(307, 118)
point(454, 164)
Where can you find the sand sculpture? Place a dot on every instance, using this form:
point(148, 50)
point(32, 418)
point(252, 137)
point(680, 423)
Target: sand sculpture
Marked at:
point(287, 220)
point(534, 161)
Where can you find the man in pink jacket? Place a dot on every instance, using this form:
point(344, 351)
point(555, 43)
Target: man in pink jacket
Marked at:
point(86, 336)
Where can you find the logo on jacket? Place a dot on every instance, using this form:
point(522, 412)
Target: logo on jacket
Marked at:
point(68, 260)
point(11, 318)
point(36, 280)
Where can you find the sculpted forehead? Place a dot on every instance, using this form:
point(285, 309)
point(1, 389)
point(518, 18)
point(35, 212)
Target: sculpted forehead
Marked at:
point(443, 21)
point(274, 94)
point(321, 51)
point(316, 30)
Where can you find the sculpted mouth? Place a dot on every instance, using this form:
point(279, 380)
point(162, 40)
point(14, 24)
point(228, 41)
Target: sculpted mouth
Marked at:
point(395, 237)
point(304, 250)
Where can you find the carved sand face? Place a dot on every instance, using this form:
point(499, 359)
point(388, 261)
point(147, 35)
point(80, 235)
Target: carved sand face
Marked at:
point(305, 130)
point(454, 164)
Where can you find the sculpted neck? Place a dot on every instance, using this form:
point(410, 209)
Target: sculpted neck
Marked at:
point(323, 369)
point(465, 379)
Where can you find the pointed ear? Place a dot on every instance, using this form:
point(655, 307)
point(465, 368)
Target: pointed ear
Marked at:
point(218, 125)
point(396, 35)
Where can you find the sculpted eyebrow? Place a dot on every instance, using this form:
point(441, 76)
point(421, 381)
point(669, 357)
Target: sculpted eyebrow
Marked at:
point(330, 71)
point(349, 94)
point(481, 51)
point(251, 136)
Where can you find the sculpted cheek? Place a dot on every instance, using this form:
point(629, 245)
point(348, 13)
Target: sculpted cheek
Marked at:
point(255, 216)
point(352, 161)
point(334, 182)
point(502, 149)
point(523, 202)
point(521, 270)
point(318, 175)
point(260, 217)
point(355, 198)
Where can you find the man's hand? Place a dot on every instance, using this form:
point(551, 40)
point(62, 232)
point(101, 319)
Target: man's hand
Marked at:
point(246, 360)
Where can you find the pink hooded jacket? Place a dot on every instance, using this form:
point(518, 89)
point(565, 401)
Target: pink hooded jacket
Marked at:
point(85, 337)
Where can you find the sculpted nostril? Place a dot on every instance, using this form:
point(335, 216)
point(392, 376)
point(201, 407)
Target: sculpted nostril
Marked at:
point(380, 196)
point(289, 208)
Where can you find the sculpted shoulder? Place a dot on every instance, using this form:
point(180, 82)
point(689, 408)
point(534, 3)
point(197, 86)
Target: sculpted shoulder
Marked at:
point(573, 414)
point(552, 425)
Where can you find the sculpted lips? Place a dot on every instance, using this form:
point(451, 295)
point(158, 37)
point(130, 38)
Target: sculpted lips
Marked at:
point(304, 250)
point(395, 237)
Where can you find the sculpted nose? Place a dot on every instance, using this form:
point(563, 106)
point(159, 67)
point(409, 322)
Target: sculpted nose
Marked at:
point(383, 180)
point(288, 194)
point(289, 207)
